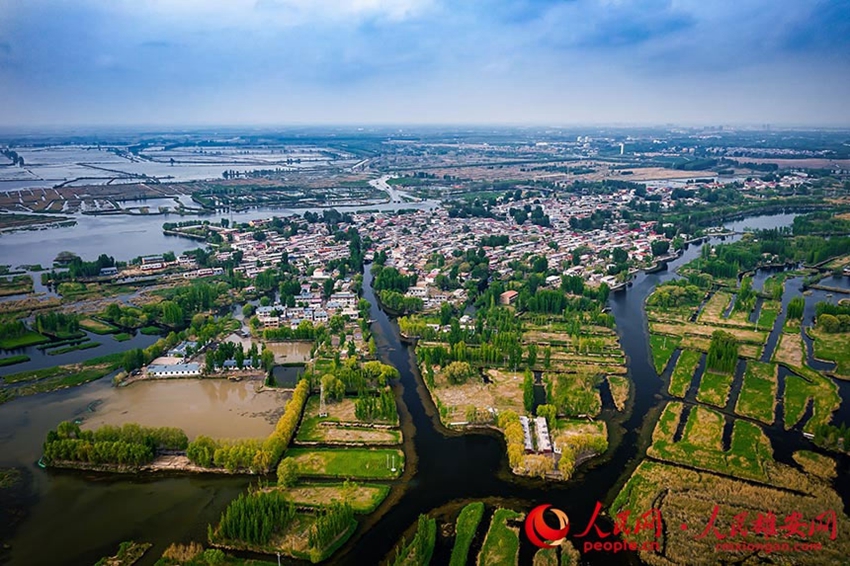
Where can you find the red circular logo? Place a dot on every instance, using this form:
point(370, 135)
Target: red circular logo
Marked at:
point(540, 533)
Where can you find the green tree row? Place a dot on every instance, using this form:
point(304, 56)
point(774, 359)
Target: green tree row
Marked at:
point(254, 518)
point(381, 407)
point(330, 524)
point(722, 352)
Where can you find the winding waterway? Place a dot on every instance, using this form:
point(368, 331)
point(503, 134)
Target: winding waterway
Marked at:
point(85, 516)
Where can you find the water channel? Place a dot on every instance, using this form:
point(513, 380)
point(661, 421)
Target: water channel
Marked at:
point(84, 516)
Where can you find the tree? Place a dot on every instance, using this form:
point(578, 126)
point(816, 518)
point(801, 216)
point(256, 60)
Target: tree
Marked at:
point(566, 464)
point(334, 387)
point(172, 314)
point(113, 312)
point(660, 247)
point(829, 323)
point(619, 255)
point(446, 313)
point(267, 360)
point(548, 412)
point(458, 372)
point(532, 355)
point(528, 391)
point(796, 306)
point(328, 287)
point(287, 472)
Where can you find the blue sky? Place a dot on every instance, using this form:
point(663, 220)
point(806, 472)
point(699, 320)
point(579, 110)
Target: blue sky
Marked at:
point(278, 62)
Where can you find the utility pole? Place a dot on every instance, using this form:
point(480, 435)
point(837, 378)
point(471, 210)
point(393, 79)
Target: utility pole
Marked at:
point(323, 410)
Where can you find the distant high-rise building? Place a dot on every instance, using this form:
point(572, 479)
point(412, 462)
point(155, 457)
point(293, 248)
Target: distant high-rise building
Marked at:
point(622, 148)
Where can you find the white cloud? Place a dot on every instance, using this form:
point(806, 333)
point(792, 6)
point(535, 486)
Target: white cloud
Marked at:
point(269, 12)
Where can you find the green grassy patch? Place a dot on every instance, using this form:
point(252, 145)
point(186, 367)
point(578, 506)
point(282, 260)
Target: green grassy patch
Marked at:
point(363, 498)
point(311, 430)
point(49, 379)
point(17, 285)
point(35, 374)
point(701, 444)
point(758, 392)
point(97, 326)
point(619, 386)
point(12, 360)
point(834, 348)
point(823, 393)
point(129, 552)
point(29, 339)
point(73, 348)
point(662, 349)
point(546, 557)
point(353, 463)
point(112, 360)
point(418, 552)
point(151, 330)
point(122, 337)
point(768, 314)
point(683, 373)
point(714, 388)
point(467, 524)
point(501, 546)
point(817, 464)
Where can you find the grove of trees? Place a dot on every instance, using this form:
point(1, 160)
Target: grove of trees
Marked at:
point(722, 352)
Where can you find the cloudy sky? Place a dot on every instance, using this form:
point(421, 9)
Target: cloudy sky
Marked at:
point(278, 62)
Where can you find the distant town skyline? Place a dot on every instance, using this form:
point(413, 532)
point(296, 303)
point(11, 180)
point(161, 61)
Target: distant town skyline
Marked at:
point(289, 62)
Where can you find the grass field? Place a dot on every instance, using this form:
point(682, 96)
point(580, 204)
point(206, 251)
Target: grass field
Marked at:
point(467, 525)
point(122, 336)
point(363, 498)
point(97, 326)
point(789, 350)
point(57, 377)
point(17, 285)
point(768, 314)
point(701, 444)
point(683, 373)
point(619, 390)
point(833, 348)
point(686, 496)
point(29, 339)
point(662, 349)
point(355, 463)
point(501, 546)
point(758, 392)
point(545, 557)
point(12, 360)
point(714, 388)
point(822, 391)
point(73, 348)
point(817, 464)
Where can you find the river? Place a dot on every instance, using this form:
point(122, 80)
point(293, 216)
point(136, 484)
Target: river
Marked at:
point(125, 237)
point(85, 516)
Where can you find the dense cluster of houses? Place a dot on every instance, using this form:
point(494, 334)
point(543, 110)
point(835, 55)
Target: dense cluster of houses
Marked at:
point(414, 238)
